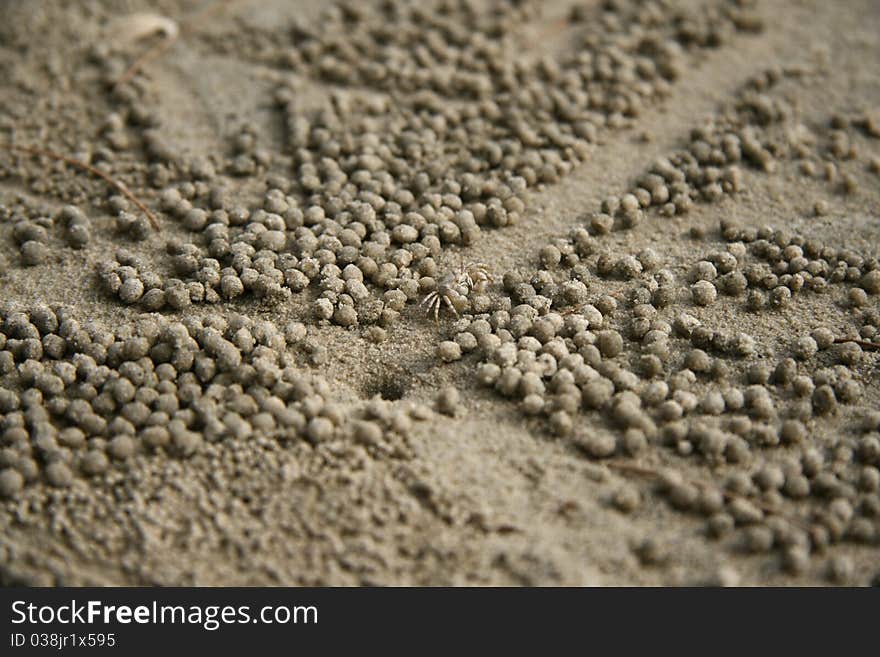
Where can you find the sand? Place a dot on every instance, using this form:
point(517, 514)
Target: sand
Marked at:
point(488, 495)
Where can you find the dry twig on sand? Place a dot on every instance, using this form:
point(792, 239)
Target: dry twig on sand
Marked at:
point(72, 161)
point(172, 31)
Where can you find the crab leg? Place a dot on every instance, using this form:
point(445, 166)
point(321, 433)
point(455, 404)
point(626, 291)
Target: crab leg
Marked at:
point(450, 304)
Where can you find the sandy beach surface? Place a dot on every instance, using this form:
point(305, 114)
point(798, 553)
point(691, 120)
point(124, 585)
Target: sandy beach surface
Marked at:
point(449, 292)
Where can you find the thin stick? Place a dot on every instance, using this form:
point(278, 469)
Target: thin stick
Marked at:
point(149, 54)
point(163, 45)
point(862, 343)
point(118, 186)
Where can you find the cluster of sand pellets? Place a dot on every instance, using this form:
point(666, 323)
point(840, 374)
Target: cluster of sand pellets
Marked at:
point(726, 370)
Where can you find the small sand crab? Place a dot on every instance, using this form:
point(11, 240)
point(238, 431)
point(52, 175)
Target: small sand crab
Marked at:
point(455, 288)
